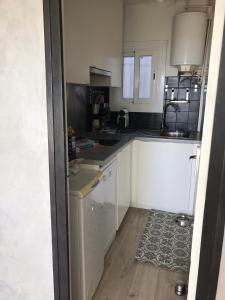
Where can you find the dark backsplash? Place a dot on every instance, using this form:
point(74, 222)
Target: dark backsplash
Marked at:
point(185, 119)
point(78, 108)
point(140, 120)
point(79, 99)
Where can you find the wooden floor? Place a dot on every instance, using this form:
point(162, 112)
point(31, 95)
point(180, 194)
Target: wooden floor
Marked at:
point(124, 278)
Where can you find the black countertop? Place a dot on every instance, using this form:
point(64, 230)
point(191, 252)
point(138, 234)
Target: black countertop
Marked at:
point(101, 155)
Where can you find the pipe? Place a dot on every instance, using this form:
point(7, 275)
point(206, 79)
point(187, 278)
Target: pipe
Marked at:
point(203, 75)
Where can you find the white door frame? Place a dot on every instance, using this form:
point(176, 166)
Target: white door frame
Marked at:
point(214, 66)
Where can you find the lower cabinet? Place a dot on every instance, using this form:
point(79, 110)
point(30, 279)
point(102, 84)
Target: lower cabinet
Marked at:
point(93, 241)
point(123, 182)
point(164, 175)
point(86, 242)
point(109, 205)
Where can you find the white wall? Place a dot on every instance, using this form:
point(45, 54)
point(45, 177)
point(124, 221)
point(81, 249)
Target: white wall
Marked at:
point(214, 66)
point(149, 22)
point(25, 222)
point(145, 22)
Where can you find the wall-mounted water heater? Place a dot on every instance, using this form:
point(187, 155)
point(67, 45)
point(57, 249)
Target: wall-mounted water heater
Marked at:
point(188, 40)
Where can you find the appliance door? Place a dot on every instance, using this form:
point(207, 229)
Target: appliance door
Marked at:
point(109, 215)
point(93, 239)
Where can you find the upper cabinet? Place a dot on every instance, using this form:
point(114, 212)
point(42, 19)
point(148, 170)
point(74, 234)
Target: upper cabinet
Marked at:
point(93, 33)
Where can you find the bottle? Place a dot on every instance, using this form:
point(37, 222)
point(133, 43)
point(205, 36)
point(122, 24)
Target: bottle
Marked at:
point(71, 144)
point(73, 141)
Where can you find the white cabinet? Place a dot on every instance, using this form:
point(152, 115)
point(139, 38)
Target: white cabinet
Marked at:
point(194, 177)
point(92, 217)
point(123, 182)
point(162, 175)
point(93, 240)
point(109, 205)
point(93, 33)
point(86, 241)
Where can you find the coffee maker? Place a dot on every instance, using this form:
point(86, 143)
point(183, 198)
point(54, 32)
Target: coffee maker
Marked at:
point(100, 113)
point(123, 119)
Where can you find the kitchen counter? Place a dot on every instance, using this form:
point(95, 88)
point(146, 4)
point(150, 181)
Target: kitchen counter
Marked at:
point(82, 182)
point(101, 155)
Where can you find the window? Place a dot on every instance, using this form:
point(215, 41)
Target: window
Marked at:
point(128, 77)
point(145, 73)
point(143, 77)
point(138, 77)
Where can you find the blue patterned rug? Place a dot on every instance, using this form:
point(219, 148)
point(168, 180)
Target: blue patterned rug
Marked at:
point(164, 243)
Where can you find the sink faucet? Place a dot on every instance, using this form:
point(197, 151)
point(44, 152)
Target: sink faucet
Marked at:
point(176, 108)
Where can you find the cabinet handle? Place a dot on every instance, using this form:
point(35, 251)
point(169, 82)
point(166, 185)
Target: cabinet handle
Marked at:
point(193, 157)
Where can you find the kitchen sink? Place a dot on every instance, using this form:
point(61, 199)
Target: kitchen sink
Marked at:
point(108, 142)
point(175, 134)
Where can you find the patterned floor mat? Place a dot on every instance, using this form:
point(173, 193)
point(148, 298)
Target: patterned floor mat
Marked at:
point(164, 243)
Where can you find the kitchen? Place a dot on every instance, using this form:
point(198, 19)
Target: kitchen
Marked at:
point(136, 90)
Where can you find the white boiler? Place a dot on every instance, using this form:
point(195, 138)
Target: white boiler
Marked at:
point(188, 39)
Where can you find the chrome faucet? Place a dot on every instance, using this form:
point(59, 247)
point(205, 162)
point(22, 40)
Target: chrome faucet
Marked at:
point(176, 108)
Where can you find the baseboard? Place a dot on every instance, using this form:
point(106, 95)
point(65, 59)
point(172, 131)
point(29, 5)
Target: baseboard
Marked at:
point(139, 205)
point(110, 241)
point(144, 206)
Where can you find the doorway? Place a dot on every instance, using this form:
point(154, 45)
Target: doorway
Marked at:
point(57, 144)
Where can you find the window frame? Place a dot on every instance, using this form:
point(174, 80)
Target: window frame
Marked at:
point(152, 77)
point(128, 54)
point(153, 84)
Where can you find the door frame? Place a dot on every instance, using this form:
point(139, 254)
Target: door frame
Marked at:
point(214, 213)
point(203, 281)
point(214, 216)
point(57, 146)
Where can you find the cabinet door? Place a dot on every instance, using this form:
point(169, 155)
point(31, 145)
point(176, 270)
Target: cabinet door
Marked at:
point(93, 36)
point(123, 183)
point(194, 177)
point(109, 206)
point(75, 41)
point(162, 174)
point(93, 239)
